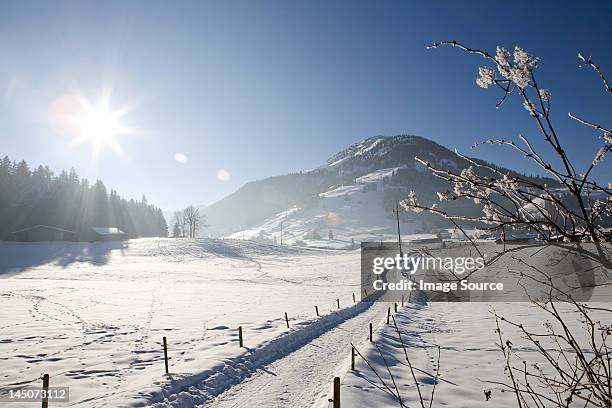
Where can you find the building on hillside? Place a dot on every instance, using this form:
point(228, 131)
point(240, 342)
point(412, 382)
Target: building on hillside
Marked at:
point(42, 233)
point(530, 237)
point(424, 239)
point(107, 234)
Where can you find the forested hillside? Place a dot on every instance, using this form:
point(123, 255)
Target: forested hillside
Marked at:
point(31, 197)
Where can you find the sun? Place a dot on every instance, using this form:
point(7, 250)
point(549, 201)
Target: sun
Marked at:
point(99, 125)
point(96, 124)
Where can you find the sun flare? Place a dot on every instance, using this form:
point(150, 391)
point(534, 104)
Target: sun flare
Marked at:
point(97, 124)
point(100, 127)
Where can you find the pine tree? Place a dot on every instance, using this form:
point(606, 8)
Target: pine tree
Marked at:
point(65, 201)
point(176, 231)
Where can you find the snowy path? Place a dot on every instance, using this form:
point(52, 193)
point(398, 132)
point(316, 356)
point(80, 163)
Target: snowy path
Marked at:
point(303, 376)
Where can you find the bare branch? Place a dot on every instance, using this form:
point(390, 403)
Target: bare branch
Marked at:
point(453, 43)
point(588, 123)
point(588, 61)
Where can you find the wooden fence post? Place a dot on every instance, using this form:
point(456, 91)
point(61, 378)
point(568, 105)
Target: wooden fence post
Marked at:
point(317, 310)
point(352, 358)
point(336, 392)
point(388, 314)
point(240, 336)
point(402, 300)
point(353, 297)
point(395, 307)
point(166, 354)
point(287, 319)
point(45, 400)
point(370, 332)
point(338, 300)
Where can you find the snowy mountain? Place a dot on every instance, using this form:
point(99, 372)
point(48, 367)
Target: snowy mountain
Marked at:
point(348, 199)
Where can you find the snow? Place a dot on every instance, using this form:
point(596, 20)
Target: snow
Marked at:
point(107, 231)
point(335, 162)
point(359, 149)
point(465, 333)
point(469, 357)
point(378, 175)
point(93, 315)
point(367, 147)
point(313, 354)
point(348, 211)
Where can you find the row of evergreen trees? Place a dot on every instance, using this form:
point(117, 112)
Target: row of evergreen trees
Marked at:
point(31, 197)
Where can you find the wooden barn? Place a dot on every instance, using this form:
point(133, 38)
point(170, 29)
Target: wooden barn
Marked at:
point(107, 234)
point(42, 233)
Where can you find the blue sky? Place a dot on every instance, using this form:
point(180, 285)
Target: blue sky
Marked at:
point(260, 88)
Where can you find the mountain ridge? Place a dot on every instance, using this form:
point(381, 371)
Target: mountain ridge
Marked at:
point(389, 157)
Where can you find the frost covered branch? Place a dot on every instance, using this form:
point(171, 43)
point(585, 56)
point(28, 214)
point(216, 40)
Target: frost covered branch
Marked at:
point(577, 210)
point(588, 61)
point(575, 367)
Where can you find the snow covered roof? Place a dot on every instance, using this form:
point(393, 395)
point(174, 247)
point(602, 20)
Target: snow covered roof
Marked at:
point(107, 231)
point(39, 226)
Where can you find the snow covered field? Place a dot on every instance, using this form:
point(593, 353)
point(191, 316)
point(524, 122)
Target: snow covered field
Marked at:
point(469, 356)
point(93, 315)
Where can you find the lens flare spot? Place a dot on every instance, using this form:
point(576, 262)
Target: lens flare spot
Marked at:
point(181, 158)
point(223, 175)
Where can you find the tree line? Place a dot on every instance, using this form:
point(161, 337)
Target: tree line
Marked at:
point(187, 222)
point(32, 197)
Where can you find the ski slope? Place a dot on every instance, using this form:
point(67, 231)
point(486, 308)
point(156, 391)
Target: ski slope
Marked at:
point(353, 213)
